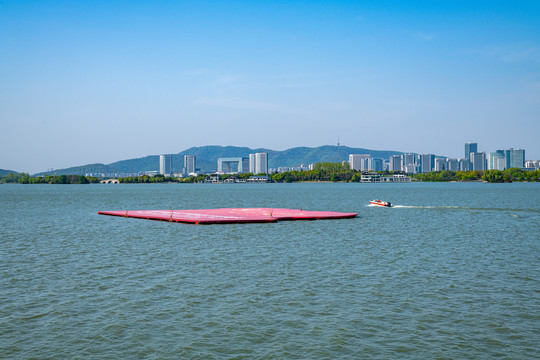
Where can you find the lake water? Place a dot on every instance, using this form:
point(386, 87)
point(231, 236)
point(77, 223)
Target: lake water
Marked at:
point(451, 272)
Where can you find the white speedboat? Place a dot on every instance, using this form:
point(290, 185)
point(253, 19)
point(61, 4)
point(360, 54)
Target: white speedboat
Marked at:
point(381, 203)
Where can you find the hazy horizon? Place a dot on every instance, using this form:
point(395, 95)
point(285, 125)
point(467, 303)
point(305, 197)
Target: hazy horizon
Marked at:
point(103, 81)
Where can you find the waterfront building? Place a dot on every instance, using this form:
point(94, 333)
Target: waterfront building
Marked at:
point(165, 165)
point(258, 179)
point(302, 167)
point(426, 162)
point(355, 161)
point(380, 178)
point(395, 163)
point(440, 164)
point(515, 158)
point(212, 179)
point(189, 164)
point(496, 160)
point(452, 164)
point(477, 161)
point(463, 164)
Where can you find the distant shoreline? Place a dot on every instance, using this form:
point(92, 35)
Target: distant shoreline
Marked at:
point(325, 173)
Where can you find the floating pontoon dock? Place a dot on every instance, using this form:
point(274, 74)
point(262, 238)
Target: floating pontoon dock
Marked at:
point(229, 215)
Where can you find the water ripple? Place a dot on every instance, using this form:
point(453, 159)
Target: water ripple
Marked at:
point(458, 279)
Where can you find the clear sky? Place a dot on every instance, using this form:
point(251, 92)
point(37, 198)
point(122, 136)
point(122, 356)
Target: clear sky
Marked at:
point(99, 81)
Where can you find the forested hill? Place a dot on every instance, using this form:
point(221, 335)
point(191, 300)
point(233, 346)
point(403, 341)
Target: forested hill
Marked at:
point(207, 157)
point(5, 172)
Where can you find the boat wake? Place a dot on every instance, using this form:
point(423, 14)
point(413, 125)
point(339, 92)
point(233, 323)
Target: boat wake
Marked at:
point(460, 208)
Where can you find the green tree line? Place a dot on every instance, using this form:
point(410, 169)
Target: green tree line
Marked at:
point(147, 179)
point(326, 171)
point(491, 176)
point(24, 178)
point(335, 172)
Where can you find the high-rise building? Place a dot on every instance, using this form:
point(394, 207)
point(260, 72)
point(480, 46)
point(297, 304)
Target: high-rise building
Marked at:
point(532, 164)
point(364, 164)
point(252, 164)
point(258, 163)
point(375, 164)
point(515, 158)
point(427, 161)
point(499, 163)
point(245, 165)
point(395, 163)
point(496, 160)
point(478, 161)
point(464, 164)
point(233, 165)
point(407, 160)
point(409, 163)
point(189, 164)
point(470, 148)
point(452, 164)
point(355, 161)
point(440, 164)
point(410, 169)
point(261, 166)
point(165, 165)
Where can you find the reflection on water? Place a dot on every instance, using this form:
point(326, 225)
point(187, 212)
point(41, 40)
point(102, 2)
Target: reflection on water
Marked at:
point(448, 272)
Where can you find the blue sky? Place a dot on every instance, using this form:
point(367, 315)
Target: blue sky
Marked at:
point(100, 81)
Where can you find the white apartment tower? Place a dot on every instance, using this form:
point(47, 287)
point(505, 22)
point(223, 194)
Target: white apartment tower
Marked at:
point(261, 160)
point(189, 164)
point(252, 163)
point(395, 163)
point(356, 161)
point(258, 163)
point(408, 163)
point(478, 161)
point(165, 164)
point(407, 160)
point(496, 160)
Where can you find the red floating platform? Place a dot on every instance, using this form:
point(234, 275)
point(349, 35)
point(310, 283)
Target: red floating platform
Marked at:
point(230, 215)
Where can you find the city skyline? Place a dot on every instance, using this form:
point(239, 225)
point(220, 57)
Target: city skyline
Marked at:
point(98, 82)
point(408, 162)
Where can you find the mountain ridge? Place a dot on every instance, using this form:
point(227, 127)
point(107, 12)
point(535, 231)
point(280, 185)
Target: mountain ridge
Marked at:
point(207, 158)
point(4, 172)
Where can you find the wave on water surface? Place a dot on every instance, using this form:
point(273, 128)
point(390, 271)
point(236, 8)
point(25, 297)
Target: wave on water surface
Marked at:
point(430, 207)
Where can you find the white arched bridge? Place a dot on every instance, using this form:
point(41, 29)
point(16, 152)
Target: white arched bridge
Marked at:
point(109, 181)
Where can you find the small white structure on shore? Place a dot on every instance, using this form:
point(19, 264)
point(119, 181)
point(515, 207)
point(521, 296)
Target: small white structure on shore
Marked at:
point(374, 177)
